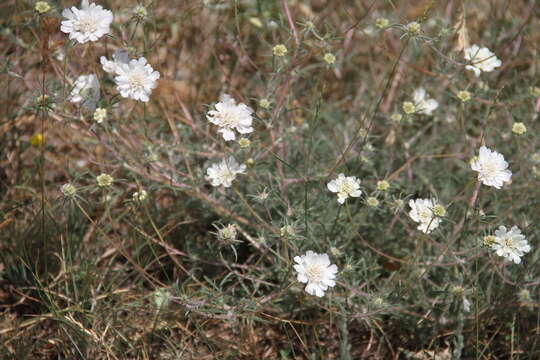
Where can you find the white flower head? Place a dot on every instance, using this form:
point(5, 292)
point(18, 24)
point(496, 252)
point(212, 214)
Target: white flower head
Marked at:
point(225, 172)
point(510, 244)
point(85, 91)
point(423, 104)
point(136, 79)
point(422, 213)
point(491, 167)
point(230, 116)
point(88, 23)
point(345, 186)
point(315, 270)
point(111, 66)
point(481, 59)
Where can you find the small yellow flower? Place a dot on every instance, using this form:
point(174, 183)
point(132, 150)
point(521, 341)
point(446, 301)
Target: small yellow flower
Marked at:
point(489, 240)
point(99, 115)
point(244, 143)
point(381, 23)
point(519, 128)
point(439, 210)
point(37, 140)
point(413, 27)
point(264, 103)
point(409, 108)
point(396, 117)
point(534, 91)
point(372, 201)
point(104, 180)
point(279, 50)
point(68, 190)
point(329, 58)
point(383, 185)
point(250, 162)
point(140, 11)
point(464, 95)
point(42, 7)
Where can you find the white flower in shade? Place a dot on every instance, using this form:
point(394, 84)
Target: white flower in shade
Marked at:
point(85, 91)
point(230, 116)
point(136, 79)
point(491, 167)
point(111, 66)
point(88, 23)
point(225, 172)
point(422, 213)
point(315, 270)
point(510, 244)
point(423, 104)
point(345, 186)
point(481, 59)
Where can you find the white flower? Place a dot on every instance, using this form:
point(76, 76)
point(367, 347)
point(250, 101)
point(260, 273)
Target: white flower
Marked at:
point(135, 79)
point(481, 59)
point(491, 167)
point(86, 24)
point(85, 91)
point(422, 213)
point(111, 66)
point(225, 172)
point(230, 116)
point(510, 244)
point(423, 104)
point(345, 186)
point(315, 270)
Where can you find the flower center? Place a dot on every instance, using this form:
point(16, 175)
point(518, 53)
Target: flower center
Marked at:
point(489, 168)
point(314, 272)
point(227, 174)
point(228, 118)
point(346, 188)
point(137, 80)
point(87, 25)
point(425, 215)
point(509, 242)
